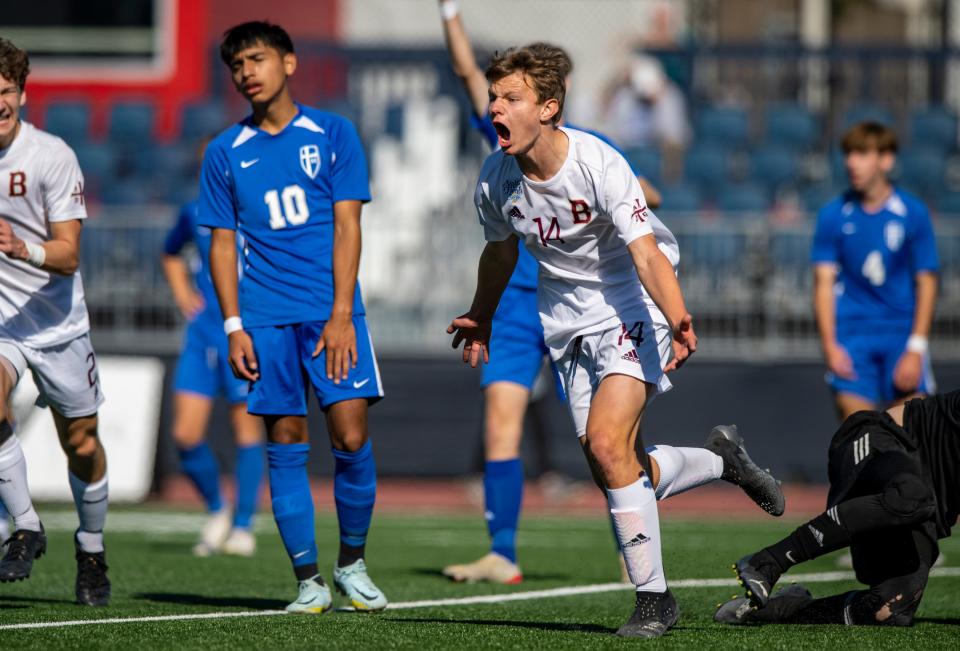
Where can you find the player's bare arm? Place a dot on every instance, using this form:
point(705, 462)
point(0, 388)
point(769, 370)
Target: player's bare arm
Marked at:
point(656, 274)
point(462, 58)
point(61, 253)
point(650, 192)
point(223, 271)
point(473, 328)
point(824, 310)
point(909, 369)
point(339, 338)
point(187, 298)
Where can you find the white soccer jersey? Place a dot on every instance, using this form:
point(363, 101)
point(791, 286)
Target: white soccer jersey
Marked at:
point(40, 183)
point(577, 225)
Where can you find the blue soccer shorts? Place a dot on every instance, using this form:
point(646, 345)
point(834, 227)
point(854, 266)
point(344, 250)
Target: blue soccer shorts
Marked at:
point(874, 356)
point(516, 343)
point(287, 369)
point(204, 368)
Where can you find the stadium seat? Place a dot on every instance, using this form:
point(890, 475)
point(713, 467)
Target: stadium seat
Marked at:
point(948, 205)
point(69, 120)
point(774, 168)
point(126, 192)
point(791, 126)
point(201, 120)
point(815, 197)
point(922, 170)
point(934, 128)
point(131, 124)
point(645, 161)
point(706, 166)
point(679, 199)
point(177, 162)
point(97, 162)
point(865, 113)
point(743, 198)
point(393, 121)
point(724, 127)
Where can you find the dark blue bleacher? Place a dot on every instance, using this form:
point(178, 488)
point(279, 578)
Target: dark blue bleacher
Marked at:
point(679, 198)
point(98, 162)
point(645, 161)
point(706, 167)
point(791, 126)
point(131, 125)
point(933, 129)
point(744, 197)
point(69, 120)
point(723, 127)
point(200, 120)
point(774, 168)
point(922, 171)
point(866, 113)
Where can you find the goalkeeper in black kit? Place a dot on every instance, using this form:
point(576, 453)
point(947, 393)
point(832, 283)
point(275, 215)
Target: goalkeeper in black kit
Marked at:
point(894, 492)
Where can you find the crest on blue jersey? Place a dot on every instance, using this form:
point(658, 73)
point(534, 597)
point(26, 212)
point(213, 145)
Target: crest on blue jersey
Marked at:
point(893, 233)
point(310, 160)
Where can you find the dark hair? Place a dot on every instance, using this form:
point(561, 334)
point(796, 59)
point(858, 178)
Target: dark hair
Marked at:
point(546, 65)
point(240, 37)
point(14, 63)
point(868, 136)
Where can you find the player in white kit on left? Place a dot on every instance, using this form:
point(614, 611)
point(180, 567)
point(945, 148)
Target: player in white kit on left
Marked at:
point(612, 311)
point(44, 327)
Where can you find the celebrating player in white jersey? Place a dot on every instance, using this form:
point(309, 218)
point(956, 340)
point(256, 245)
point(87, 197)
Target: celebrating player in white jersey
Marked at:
point(613, 314)
point(44, 327)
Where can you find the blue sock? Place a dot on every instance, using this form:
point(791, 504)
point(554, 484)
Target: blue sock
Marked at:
point(201, 467)
point(292, 502)
point(503, 493)
point(248, 473)
point(355, 491)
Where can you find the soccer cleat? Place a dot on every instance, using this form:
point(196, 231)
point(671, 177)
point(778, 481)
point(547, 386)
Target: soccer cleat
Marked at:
point(782, 605)
point(214, 533)
point(93, 586)
point(353, 582)
point(655, 613)
point(23, 547)
point(758, 573)
point(240, 542)
point(314, 597)
point(739, 469)
point(492, 568)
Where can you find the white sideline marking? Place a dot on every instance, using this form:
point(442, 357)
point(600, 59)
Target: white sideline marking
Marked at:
point(818, 577)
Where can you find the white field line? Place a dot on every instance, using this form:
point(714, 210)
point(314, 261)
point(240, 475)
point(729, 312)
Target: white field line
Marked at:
point(819, 577)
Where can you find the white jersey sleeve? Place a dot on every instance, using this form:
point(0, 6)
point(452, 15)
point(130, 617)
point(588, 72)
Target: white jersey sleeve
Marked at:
point(62, 186)
point(623, 200)
point(496, 228)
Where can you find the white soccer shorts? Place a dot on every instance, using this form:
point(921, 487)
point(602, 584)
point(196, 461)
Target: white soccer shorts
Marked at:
point(636, 348)
point(66, 374)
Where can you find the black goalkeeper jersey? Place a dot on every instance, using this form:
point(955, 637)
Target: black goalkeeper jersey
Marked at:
point(933, 428)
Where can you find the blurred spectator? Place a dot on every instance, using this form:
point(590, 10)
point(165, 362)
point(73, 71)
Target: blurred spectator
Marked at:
point(642, 108)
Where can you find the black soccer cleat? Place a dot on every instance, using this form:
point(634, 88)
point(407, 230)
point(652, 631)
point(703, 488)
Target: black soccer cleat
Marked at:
point(739, 469)
point(781, 606)
point(93, 586)
point(655, 613)
point(23, 547)
point(758, 573)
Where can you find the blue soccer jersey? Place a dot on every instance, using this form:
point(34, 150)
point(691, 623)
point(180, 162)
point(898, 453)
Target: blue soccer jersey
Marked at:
point(186, 231)
point(278, 192)
point(877, 256)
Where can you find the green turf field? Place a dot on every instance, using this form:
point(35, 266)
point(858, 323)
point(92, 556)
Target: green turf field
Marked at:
point(154, 575)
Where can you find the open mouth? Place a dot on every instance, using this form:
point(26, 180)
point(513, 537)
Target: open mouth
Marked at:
point(252, 89)
point(503, 134)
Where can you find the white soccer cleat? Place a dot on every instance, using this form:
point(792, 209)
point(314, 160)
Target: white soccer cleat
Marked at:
point(314, 598)
point(492, 568)
point(353, 582)
point(214, 533)
point(240, 542)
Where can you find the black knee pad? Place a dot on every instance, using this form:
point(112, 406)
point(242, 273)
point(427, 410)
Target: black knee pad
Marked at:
point(908, 498)
point(6, 431)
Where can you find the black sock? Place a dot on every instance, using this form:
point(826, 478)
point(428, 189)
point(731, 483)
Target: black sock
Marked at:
point(810, 540)
point(307, 571)
point(349, 554)
point(828, 610)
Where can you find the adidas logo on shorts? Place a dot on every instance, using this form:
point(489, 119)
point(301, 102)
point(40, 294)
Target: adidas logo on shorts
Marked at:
point(631, 356)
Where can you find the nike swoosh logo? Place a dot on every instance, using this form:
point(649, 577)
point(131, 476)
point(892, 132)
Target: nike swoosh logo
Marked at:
point(790, 557)
point(299, 554)
point(365, 595)
point(759, 585)
point(247, 163)
point(357, 385)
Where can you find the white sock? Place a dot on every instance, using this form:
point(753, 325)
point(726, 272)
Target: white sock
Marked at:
point(633, 510)
point(684, 468)
point(14, 491)
point(91, 502)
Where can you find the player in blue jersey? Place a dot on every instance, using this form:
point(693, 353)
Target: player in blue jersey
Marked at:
point(292, 181)
point(203, 373)
point(518, 351)
point(875, 281)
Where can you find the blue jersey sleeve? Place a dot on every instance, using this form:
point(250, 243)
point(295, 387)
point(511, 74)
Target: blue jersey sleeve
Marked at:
point(825, 237)
point(181, 233)
point(217, 208)
point(923, 248)
point(350, 181)
point(485, 126)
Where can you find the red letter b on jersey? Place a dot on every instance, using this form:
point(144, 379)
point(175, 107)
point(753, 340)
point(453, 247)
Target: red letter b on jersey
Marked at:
point(18, 184)
point(580, 210)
